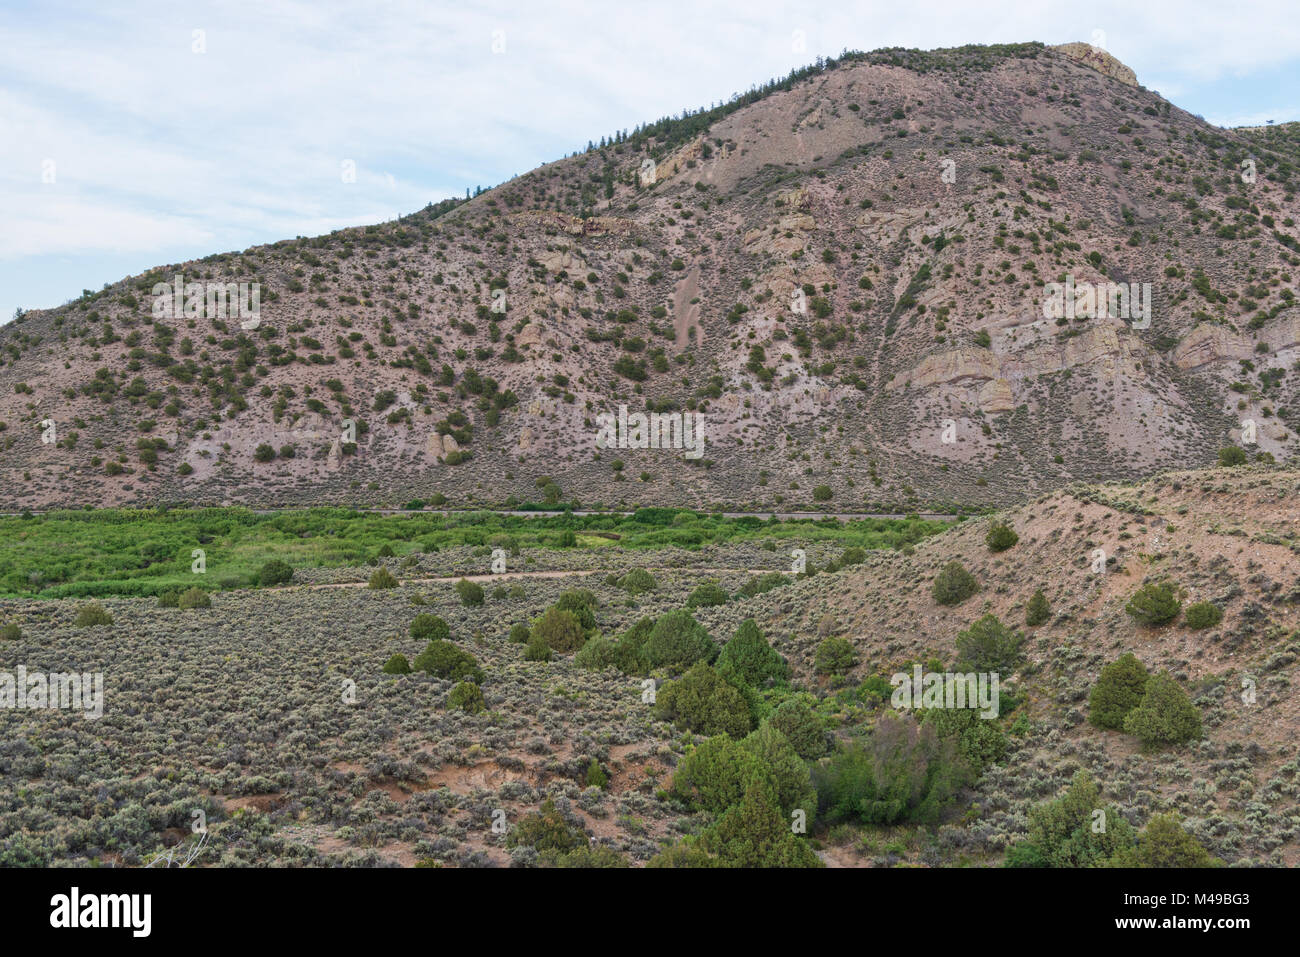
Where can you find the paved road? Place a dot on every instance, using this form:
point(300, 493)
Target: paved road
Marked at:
point(779, 516)
point(764, 516)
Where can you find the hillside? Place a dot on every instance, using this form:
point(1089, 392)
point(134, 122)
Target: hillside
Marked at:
point(301, 748)
point(843, 273)
point(1230, 537)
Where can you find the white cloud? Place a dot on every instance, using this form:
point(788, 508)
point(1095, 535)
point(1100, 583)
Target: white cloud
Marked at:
point(159, 147)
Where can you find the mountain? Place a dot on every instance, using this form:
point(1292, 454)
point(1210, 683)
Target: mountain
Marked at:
point(847, 273)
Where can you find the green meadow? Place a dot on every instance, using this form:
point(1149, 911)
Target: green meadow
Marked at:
point(126, 552)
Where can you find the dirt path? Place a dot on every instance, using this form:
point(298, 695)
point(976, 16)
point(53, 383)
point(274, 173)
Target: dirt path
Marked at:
point(686, 313)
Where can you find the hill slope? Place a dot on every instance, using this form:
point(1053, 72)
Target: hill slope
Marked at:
point(845, 273)
point(1231, 537)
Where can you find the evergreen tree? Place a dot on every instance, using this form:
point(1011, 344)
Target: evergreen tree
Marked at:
point(1165, 716)
point(1118, 691)
point(1037, 610)
point(954, 584)
point(748, 657)
point(754, 834)
point(1154, 604)
point(989, 646)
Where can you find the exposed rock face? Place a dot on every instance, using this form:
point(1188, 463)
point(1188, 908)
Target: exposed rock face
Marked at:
point(950, 367)
point(1099, 60)
point(996, 396)
point(1208, 343)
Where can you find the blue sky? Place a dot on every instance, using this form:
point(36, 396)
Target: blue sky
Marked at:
point(128, 139)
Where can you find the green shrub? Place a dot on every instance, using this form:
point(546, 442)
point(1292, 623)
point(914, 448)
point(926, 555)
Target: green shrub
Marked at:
point(637, 582)
point(1231, 455)
point(275, 572)
point(1164, 843)
point(382, 578)
point(1000, 537)
point(852, 556)
point(537, 650)
point(88, 616)
point(901, 773)
point(1067, 833)
point(471, 593)
point(623, 653)
point(520, 633)
point(760, 584)
point(425, 627)
point(170, 599)
point(835, 656)
point(978, 740)
point(582, 603)
point(1025, 854)
point(702, 701)
point(193, 598)
point(397, 665)
point(715, 774)
point(443, 659)
point(953, 585)
point(1155, 603)
point(748, 657)
point(676, 642)
point(989, 646)
point(585, 858)
point(686, 853)
point(559, 630)
point(10, 632)
point(706, 595)
point(1203, 614)
point(754, 834)
point(1118, 690)
point(467, 697)
point(596, 776)
point(1165, 716)
point(804, 730)
point(546, 830)
point(1037, 610)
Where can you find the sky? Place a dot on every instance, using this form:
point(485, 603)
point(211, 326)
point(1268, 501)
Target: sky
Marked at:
point(135, 134)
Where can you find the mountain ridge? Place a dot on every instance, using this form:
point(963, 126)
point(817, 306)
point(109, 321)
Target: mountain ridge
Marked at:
point(841, 273)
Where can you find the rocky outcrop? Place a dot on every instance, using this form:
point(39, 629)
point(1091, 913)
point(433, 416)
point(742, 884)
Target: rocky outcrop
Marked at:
point(951, 367)
point(1208, 343)
point(1099, 60)
point(1097, 346)
point(996, 396)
